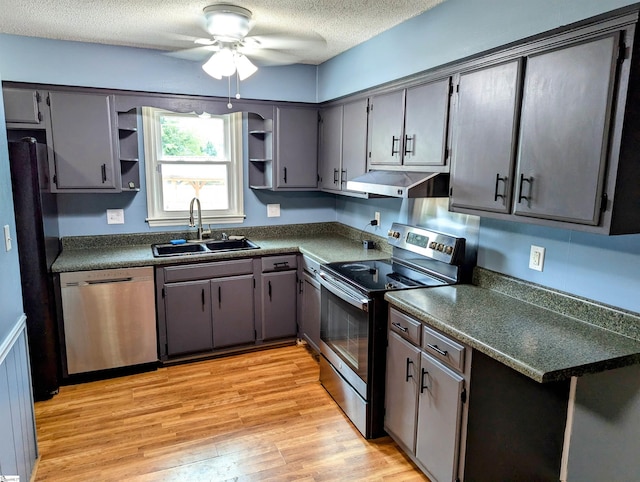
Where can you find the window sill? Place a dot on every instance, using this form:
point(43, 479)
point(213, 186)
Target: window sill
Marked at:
point(182, 221)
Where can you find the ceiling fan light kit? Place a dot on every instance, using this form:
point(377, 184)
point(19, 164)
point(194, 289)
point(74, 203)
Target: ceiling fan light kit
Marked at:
point(228, 25)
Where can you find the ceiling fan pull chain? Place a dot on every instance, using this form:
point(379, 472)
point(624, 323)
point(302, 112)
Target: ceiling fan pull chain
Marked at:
point(229, 105)
point(237, 85)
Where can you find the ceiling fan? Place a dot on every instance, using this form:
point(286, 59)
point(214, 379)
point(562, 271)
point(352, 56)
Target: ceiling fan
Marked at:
point(229, 26)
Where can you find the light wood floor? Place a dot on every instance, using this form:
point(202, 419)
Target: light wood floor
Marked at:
point(257, 416)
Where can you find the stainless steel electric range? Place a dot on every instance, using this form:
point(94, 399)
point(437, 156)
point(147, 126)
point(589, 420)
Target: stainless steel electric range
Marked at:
point(353, 330)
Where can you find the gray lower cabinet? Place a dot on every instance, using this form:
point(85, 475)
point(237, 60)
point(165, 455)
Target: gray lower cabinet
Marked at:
point(204, 307)
point(232, 315)
point(309, 317)
point(279, 305)
point(188, 317)
point(279, 297)
point(424, 396)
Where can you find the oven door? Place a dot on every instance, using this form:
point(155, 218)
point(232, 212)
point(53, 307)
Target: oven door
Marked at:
point(344, 331)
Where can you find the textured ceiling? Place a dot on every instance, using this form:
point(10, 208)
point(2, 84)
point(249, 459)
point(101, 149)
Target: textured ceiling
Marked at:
point(328, 26)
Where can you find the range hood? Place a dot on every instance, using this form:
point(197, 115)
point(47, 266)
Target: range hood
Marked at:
point(402, 184)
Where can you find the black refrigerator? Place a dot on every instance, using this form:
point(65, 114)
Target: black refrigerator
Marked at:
point(38, 244)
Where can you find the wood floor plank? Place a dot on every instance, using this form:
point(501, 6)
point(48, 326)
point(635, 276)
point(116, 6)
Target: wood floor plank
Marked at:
point(256, 416)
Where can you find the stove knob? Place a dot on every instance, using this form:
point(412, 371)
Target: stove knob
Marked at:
point(433, 244)
point(448, 249)
point(440, 247)
point(393, 234)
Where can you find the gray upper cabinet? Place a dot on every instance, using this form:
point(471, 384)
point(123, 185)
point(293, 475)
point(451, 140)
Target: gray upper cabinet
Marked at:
point(484, 138)
point(22, 106)
point(342, 145)
point(297, 148)
point(84, 134)
point(566, 110)
point(409, 127)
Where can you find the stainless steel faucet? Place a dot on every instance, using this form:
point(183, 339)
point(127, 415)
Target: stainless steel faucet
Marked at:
point(225, 236)
point(192, 222)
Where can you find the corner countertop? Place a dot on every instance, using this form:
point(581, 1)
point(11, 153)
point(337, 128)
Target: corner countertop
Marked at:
point(323, 248)
point(539, 343)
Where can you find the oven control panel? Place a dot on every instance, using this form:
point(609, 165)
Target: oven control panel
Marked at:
point(433, 244)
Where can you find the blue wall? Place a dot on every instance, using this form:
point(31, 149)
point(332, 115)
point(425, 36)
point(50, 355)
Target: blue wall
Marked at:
point(10, 291)
point(452, 30)
point(94, 65)
point(602, 268)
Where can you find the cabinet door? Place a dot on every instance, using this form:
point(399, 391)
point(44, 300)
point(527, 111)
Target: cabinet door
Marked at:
point(297, 158)
point(232, 311)
point(386, 116)
point(83, 129)
point(279, 305)
point(330, 148)
point(21, 106)
point(425, 124)
point(439, 413)
point(484, 139)
point(188, 317)
point(566, 109)
point(310, 312)
point(354, 141)
point(401, 393)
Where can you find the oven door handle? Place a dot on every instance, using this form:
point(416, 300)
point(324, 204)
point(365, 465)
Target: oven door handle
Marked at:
point(344, 293)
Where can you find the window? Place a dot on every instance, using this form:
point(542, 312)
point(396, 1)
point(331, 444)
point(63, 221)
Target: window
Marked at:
point(190, 155)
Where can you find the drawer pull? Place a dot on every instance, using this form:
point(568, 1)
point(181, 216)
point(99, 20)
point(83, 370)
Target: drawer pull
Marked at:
point(435, 348)
point(281, 264)
point(399, 327)
point(409, 362)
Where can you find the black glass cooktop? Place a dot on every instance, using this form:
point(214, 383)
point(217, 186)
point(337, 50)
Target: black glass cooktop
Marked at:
point(382, 275)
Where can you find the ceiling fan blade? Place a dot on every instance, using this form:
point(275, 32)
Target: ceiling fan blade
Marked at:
point(285, 42)
point(269, 58)
point(195, 54)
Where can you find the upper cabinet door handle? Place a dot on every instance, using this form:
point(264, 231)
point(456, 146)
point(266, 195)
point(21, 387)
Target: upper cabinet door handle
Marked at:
point(498, 180)
point(103, 168)
point(528, 180)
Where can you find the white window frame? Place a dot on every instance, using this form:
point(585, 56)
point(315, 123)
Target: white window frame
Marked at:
point(156, 215)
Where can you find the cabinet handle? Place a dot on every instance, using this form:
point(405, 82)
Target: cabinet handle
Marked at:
point(438, 350)
point(270, 291)
point(335, 176)
point(281, 264)
point(422, 385)
point(219, 296)
point(343, 179)
point(103, 168)
point(399, 327)
point(285, 175)
point(522, 181)
point(407, 139)
point(409, 362)
point(498, 180)
point(202, 299)
point(394, 151)
point(301, 286)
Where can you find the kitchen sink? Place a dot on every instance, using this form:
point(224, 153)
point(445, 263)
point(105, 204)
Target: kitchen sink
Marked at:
point(196, 248)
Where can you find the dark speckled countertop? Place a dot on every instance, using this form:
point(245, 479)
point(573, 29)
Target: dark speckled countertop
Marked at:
point(542, 344)
point(324, 242)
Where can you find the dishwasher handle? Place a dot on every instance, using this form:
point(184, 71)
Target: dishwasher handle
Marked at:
point(113, 280)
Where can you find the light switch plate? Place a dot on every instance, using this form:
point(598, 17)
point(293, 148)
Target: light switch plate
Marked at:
point(273, 210)
point(7, 237)
point(536, 258)
point(115, 216)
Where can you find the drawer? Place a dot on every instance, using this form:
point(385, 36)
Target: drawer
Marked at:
point(443, 348)
point(217, 269)
point(405, 326)
point(279, 263)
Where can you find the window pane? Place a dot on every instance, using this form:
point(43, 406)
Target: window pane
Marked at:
point(194, 136)
point(181, 183)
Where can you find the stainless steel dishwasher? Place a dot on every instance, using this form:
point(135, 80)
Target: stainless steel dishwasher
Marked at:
point(109, 319)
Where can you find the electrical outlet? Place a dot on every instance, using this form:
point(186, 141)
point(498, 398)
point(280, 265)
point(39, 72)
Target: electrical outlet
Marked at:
point(377, 217)
point(536, 258)
point(273, 210)
point(115, 216)
point(7, 237)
